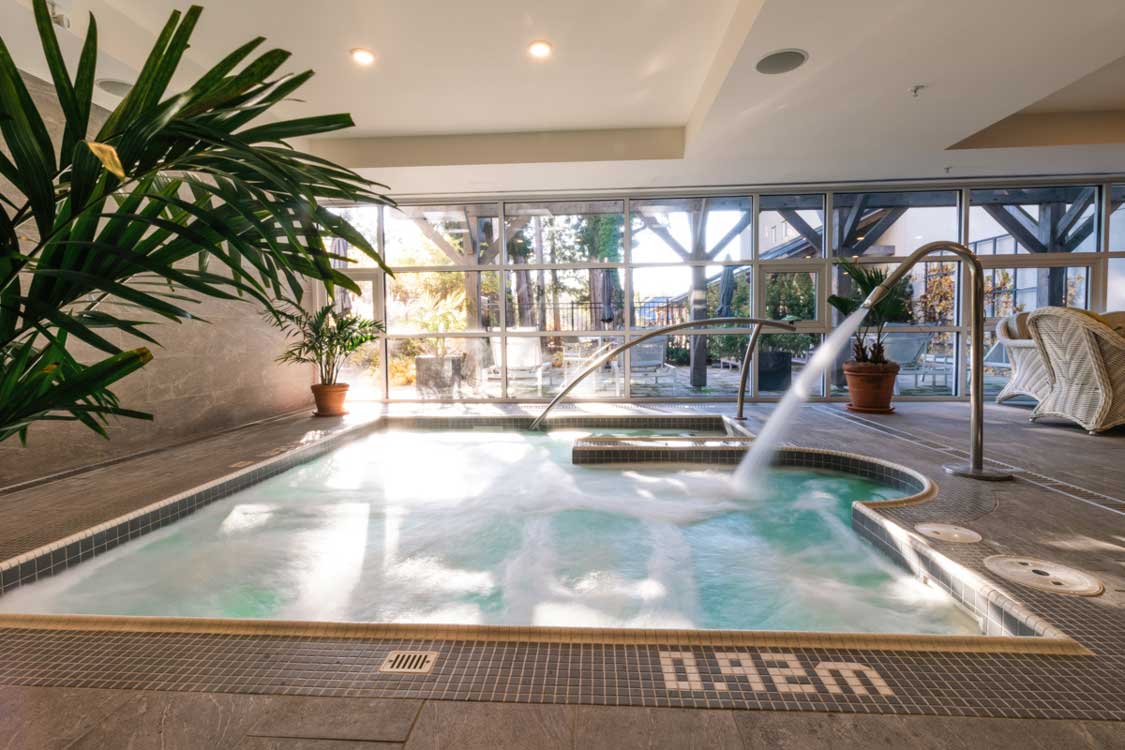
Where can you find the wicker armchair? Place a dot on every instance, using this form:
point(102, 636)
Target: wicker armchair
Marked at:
point(1084, 356)
point(1028, 374)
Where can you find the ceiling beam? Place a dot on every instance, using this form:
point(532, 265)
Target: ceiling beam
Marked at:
point(555, 146)
point(1037, 129)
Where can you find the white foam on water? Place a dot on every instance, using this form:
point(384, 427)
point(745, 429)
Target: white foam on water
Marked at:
point(748, 477)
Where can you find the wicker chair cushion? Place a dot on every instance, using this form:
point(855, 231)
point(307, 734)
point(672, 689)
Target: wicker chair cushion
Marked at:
point(1017, 326)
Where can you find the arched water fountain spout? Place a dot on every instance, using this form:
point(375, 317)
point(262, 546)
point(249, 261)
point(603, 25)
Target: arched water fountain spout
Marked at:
point(975, 468)
point(757, 325)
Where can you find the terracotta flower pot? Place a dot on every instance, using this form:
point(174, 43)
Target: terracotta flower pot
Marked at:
point(871, 386)
point(330, 399)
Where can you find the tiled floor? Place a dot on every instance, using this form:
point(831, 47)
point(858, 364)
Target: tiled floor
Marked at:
point(1065, 506)
point(48, 718)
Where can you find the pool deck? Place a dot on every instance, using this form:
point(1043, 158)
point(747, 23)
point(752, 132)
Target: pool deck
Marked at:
point(72, 684)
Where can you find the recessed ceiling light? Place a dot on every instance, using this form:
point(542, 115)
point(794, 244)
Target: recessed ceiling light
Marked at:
point(782, 61)
point(361, 56)
point(540, 49)
point(114, 86)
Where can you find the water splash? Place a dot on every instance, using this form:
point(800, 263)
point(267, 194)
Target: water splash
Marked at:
point(751, 472)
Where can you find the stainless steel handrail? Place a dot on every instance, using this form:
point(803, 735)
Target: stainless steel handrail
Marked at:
point(758, 324)
point(975, 468)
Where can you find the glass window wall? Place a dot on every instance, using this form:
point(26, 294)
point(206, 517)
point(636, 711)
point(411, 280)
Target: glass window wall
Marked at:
point(508, 300)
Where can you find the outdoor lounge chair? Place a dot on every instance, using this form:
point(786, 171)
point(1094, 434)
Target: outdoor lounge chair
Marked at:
point(908, 349)
point(1028, 375)
point(647, 361)
point(525, 359)
point(1084, 356)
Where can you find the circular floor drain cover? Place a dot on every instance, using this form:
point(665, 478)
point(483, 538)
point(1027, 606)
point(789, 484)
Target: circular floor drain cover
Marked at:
point(1043, 575)
point(947, 532)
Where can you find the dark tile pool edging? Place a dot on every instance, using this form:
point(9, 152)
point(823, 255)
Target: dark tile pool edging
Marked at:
point(71, 550)
point(996, 612)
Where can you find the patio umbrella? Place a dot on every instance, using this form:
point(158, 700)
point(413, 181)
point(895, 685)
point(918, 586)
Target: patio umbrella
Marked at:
point(726, 294)
point(343, 298)
point(609, 289)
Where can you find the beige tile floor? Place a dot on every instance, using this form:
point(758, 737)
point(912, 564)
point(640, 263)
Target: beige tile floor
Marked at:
point(34, 718)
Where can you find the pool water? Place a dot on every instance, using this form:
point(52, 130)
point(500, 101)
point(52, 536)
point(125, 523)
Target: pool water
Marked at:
point(498, 527)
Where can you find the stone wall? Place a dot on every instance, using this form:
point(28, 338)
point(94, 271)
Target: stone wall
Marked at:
point(205, 376)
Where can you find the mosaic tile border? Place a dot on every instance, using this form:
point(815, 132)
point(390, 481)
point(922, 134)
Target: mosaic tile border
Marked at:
point(708, 422)
point(730, 450)
point(892, 642)
point(822, 679)
point(77, 548)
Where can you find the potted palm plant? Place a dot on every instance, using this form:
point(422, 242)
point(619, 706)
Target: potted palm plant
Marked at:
point(870, 375)
point(325, 338)
point(165, 187)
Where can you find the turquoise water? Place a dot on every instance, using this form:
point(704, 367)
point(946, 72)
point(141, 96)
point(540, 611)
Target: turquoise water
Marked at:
point(498, 527)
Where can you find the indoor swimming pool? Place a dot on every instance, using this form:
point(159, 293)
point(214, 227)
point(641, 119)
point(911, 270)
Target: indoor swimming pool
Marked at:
point(496, 527)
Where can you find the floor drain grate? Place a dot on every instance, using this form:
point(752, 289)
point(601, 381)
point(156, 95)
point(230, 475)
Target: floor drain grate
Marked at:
point(409, 662)
point(1044, 575)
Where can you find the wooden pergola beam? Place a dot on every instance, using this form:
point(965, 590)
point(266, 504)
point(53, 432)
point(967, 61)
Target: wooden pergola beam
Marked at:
point(877, 230)
point(1074, 213)
point(1023, 196)
point(812, 236)
point(1085, 229)
point(1019, 224)
point(897, 199)
point(736, 230)
point(851, 221)
point(662, 232)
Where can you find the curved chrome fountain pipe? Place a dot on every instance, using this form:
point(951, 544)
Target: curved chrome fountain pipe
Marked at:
point(758, 324)
point(744, 373)
point(975, 468)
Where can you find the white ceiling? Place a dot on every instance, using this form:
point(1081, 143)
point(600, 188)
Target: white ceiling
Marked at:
point(460, 68)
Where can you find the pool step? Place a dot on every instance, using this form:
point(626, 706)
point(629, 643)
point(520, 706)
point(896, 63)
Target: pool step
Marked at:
point(609, 449)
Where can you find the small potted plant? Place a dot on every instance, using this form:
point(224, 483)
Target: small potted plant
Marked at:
point(870, 375)
point(325, 338)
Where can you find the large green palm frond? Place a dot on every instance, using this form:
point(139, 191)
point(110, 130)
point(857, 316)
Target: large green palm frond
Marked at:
point(178, 196)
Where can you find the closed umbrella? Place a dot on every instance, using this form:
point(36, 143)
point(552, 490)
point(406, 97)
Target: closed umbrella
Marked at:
point(343, 297)
point(609, 289)
point(726, 294)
